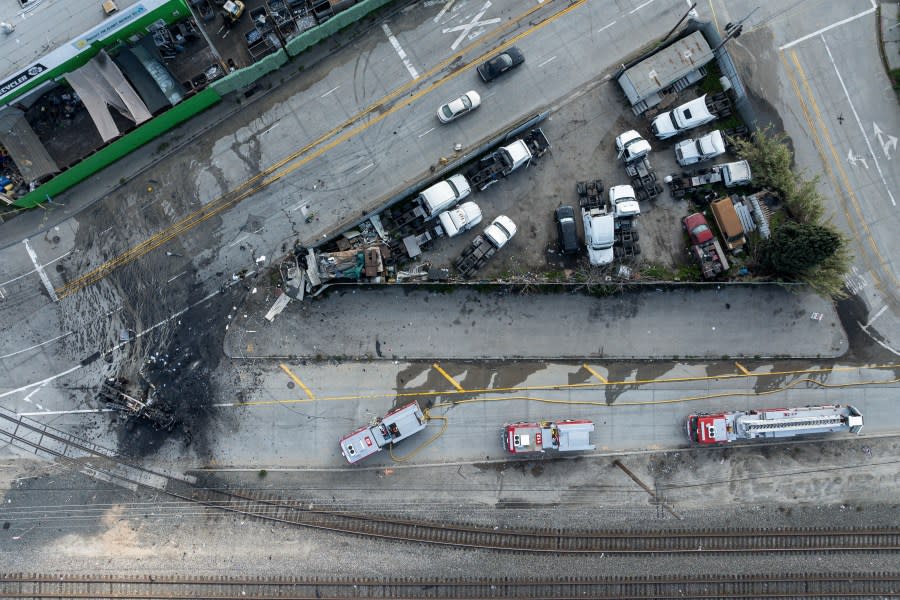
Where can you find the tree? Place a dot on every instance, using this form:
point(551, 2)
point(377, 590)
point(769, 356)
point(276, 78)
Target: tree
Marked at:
point(795, 249)
point(770, 161)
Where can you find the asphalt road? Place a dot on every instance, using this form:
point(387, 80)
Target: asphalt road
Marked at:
point(372, 123)
point(50, 352)
point(290, 413)
point(817, 65)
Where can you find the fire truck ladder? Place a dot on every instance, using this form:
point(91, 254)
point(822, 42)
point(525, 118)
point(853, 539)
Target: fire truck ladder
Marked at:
point(792, 423)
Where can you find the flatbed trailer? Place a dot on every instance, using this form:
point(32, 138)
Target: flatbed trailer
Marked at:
point(643, 179)
point(711, 258)
point(475, 256)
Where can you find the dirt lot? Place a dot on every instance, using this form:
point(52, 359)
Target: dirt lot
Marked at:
point(582, 129)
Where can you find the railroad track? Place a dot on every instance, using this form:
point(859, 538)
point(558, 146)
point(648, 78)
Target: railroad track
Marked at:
point(556, 541)
point(813, 585)
point(103, 464)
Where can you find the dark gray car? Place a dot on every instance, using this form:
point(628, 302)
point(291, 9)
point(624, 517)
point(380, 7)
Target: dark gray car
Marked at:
point(500, 64)
point(565, 226)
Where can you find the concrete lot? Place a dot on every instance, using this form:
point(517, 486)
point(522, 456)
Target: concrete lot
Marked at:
point(358, 323)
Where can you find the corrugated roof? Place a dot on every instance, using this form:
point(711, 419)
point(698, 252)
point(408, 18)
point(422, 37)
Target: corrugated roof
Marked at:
point(44, 25)
point(664, 68)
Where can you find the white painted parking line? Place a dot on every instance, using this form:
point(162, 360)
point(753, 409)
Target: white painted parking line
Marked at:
point(40, 270)
point(444, 10)
point(368, 166)
point(467, 27)
point(74, 411)
point(605, 27)
point(859, 123)
point(426, 133)
point(828, 28)
point(270, 129)
point(400, 52)
point(328, 93)
point(549, 60)
point(878, 314)
point(61, 256)
point(174, 277)
point(59, 337)
point(640, 6)
point(238, 241)
point(40, 383)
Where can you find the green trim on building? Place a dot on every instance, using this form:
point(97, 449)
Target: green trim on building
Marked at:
point(344, 18)
point(121, 147)
point(175, 10)
point(170, 12)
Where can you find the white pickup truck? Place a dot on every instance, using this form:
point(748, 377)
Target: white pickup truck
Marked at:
point(631, 146)
point(443, 195)
point(735, 173)
point(623, 201)
point(503, 161)
point(484, 246)
point(460, 218)
point(687, 116)
point(691, 151)
point(599, 235)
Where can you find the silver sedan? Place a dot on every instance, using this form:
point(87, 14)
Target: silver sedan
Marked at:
point(458, 107)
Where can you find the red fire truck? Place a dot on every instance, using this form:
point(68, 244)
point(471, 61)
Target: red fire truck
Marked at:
point(539, 436)
point(720, 428)
point(393, 427)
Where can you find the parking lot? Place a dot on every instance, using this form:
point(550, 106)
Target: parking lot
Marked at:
point(582, 130)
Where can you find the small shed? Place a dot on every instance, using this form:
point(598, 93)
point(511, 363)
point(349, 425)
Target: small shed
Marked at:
point(677, 65)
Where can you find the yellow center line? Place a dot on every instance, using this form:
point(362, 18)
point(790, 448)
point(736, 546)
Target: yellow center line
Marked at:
point(596, 375)
point(576, 386)
point(715, 19)
point(846, 184)
point(296, 379)
point(447, 376)
point(245, 190)
point(603, 403)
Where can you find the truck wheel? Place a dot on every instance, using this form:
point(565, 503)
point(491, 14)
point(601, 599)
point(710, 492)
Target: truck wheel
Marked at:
point(618, 252)
point(635, 235)
point(637, 249)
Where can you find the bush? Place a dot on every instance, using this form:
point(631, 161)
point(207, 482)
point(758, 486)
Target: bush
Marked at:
point(807, 249)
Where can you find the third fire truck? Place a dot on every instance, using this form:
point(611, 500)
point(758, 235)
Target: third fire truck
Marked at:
point(720, 428)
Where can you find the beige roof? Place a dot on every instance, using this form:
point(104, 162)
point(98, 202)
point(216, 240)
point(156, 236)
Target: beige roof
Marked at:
point(43, 26)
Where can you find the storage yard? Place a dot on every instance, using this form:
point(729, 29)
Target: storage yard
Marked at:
point(221, 380)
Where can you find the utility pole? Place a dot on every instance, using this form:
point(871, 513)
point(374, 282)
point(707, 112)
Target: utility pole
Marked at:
point(734, 30)
point(690, 12)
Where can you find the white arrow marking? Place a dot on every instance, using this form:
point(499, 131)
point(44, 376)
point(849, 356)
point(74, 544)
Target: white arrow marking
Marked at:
point(853, 159)
point(885, 146)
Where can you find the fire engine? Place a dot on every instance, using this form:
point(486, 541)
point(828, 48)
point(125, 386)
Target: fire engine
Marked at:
point(564, 436)
point(393, 427)
point(720, 428)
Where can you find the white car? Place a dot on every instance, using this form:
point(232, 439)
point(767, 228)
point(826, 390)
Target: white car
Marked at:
point(456, 108)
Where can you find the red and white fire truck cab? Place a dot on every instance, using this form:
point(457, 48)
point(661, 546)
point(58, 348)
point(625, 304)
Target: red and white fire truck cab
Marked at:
point(393, 427)
point(563, 436)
